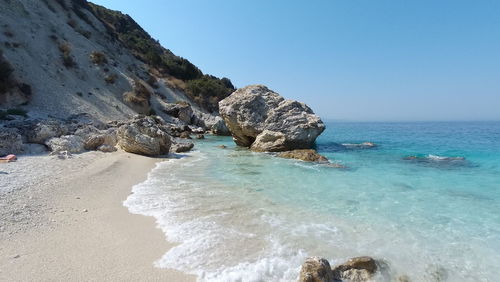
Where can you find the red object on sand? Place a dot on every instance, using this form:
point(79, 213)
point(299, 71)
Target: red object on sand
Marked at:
point(9, 158)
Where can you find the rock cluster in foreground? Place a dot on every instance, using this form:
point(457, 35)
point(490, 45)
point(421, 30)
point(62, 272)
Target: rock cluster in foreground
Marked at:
point(359, 269)
point(264, 121)
point(144, 135)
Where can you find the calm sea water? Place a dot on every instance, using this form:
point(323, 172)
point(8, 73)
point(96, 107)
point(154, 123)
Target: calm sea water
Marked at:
point(243, 216)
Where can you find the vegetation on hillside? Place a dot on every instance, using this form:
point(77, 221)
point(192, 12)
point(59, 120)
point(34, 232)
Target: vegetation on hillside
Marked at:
point(206, 90)
point(209, 90)
point(65, 49)
point(98, 58)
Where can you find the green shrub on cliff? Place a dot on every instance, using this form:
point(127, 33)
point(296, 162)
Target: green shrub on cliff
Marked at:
point(125, 29)
point(204, 89)
point(209, 90)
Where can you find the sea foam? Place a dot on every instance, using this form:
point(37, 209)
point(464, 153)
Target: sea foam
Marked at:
point(243, 216)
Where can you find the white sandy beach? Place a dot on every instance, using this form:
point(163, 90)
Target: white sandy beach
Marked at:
point(63, 220)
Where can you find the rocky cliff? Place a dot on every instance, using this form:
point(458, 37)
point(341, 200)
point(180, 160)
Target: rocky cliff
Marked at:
point(59, 58)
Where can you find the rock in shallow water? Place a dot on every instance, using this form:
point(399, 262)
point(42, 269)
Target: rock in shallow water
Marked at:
point(182, 147)
point(308, 155)
point(316, 269)
point(357, 269)
point(364, 145)
point(264, 121)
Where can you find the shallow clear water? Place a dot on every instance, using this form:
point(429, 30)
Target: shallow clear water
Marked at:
point(243, 216)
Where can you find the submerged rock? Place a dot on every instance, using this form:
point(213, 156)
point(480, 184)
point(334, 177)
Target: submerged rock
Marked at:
point(403, 278)
point(264, 121)
point(364, 145)
point(308, 155)
point(436, 273)
point(440, 162)
point(357, 269)
point(434, 158)
point(144, 136)
point(316, 269)
point(335, 165)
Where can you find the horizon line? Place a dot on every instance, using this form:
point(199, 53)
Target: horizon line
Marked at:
point(406, 121)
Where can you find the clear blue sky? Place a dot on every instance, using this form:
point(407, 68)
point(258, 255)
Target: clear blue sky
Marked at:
point(347, 59)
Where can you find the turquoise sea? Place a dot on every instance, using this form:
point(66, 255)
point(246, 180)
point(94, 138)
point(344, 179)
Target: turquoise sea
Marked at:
point(243, 216)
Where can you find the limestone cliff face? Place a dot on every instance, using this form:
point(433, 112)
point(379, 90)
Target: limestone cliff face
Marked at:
point(60, 57)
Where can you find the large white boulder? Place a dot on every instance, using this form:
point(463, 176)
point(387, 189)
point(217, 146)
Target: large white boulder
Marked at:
point(261, 119)
point(69, 143)
point(144, 135)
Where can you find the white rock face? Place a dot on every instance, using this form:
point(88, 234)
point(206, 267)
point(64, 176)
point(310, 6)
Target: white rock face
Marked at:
point(144, 136)
point(40, 28)
point(261, 119)
point(69, 143)
point(220, 128)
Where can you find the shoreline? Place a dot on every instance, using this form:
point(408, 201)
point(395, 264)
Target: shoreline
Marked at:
point(77, 227)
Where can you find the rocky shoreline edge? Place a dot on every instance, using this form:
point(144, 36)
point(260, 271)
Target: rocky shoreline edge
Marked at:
point(255, 116)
